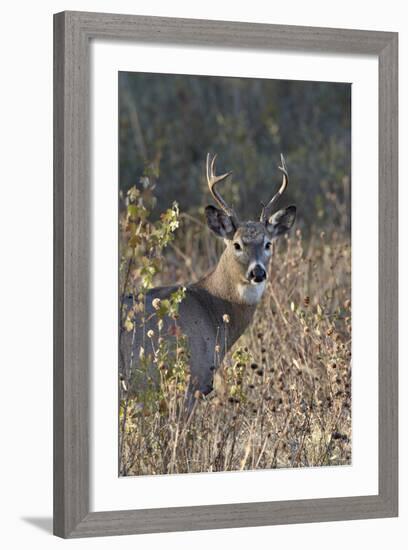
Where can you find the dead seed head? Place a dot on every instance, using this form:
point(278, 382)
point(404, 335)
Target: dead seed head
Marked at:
point(156, 303)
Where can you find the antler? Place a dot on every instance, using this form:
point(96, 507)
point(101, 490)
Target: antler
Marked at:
point(267, 210)
point(212, 180)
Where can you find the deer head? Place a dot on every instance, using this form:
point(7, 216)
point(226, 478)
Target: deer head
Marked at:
point(248, 243)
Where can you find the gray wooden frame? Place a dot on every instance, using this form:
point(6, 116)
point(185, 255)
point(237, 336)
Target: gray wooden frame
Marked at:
point(72, 34)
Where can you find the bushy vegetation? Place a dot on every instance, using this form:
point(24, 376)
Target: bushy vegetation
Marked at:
point(283, 395)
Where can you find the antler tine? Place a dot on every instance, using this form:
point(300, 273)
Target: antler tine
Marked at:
point(212, 180)
point(267, 210)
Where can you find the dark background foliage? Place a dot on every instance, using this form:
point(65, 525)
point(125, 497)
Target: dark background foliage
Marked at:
point(169, 122)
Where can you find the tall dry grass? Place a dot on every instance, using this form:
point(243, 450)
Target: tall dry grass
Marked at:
point(283, 396)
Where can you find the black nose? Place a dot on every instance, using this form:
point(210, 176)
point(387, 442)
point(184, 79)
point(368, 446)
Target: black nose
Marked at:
point(258, 274)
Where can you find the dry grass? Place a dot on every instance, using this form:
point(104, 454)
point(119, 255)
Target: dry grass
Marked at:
point(283, 399)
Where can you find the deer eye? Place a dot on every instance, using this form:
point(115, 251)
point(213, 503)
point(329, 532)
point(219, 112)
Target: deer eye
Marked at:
point(267, 246)
point(237, 246)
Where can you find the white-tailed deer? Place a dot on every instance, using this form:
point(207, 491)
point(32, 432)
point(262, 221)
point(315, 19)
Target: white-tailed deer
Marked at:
point(233, 288)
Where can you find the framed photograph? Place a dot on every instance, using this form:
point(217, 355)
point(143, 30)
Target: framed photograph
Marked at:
point(225, 285)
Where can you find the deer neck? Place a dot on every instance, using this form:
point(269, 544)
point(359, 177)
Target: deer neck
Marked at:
point(223, 286)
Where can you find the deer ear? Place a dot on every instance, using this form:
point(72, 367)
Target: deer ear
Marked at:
point(219, 222)
point(281, 221)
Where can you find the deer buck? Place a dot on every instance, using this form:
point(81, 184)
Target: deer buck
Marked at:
point(231, 291)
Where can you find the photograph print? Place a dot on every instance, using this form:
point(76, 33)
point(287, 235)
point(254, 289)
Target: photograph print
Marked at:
point(234, 298)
